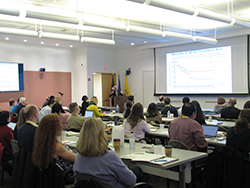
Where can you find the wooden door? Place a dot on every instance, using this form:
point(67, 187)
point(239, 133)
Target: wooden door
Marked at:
point(106, 87)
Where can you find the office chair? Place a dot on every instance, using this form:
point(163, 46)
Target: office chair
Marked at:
point(178, 144)
point(5, 158)
point(142, 185)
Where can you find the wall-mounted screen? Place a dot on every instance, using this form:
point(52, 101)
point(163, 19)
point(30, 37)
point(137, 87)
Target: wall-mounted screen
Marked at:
point(202, 68)
point(11, 77)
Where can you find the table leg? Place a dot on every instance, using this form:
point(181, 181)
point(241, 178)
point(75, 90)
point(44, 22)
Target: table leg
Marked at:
point(182, 182)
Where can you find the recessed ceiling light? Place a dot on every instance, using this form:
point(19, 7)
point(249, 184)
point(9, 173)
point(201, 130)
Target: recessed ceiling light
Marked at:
point(7, 38)
point(94, 73)
point(57, 44)
point(42, 42)
point(145, 42)
point(70, 46)
point(132, 44)
point(24, 40)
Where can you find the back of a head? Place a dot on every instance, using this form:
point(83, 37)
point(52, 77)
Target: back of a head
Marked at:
point(73, 106)
point(221, 100)
point(11, 102)
point(58, 99)
point(30, 111)
point(232, 101)
point(4, 118)
point(185, 100)
point(188, 109)
point(93, 100)
point(136, 115)
point(247, 105)
point(57, 108)
point(92, 140)
point(128, 109)
point(84, 97)
point(152, 109)
point(167, 100)
point(22, 99)
point(242, 123)
point(161, 98)
point(52, 97)
point(21, 118)
point(51, 101)
point(131, 98)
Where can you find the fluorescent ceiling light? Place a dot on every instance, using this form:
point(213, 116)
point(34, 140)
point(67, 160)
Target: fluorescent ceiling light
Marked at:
point(18, 31)
point(58, 36)
point(97, 40)
point(145, 30)
point(177, 35)
point(205, 39)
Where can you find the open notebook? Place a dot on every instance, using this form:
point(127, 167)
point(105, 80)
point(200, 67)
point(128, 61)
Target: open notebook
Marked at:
point(151, 158)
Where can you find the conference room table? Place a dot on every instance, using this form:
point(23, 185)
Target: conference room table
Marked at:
point(185, 158)
point(226, 124)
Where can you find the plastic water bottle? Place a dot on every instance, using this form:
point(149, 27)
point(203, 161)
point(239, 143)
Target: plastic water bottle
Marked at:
point(132, 140)
point(168, 114)
point(117, 108)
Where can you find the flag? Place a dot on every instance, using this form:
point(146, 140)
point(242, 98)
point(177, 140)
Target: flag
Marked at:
point(119, 83)
point(126, 90)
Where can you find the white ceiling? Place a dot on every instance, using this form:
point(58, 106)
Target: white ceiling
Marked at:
point(129, 13)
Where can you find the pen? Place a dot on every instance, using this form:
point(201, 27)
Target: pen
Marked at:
point(160, 161)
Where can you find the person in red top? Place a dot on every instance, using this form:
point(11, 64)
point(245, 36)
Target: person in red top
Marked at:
point(6, 133)
point(187, 130)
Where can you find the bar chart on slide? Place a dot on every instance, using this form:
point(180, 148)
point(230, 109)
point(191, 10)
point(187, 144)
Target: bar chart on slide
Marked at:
point(204, 73)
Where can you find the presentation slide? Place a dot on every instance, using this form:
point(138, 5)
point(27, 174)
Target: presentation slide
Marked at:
point(203, 69)
point(9, 77)
point(199, 71)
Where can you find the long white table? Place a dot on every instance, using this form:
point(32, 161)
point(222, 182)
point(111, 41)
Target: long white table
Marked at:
point(226, 124)
point(183, 163)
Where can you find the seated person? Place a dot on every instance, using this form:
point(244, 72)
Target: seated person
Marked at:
point(46, 102)
point(22, 104)
point(6, 133)
point(247, 104)
point(57, 108)
point(160, 104)
point(130, 99)
point(230, 111)
point(128, 109)
point(49, 129)
point(184, 100)
point(94, 157)
point(75, 121)
point(46, 109)
point(93, 107)
point(135, 123)
point(187, 130)
point(26, 133)
point(169, 108)
point(85, 104)
point(17, 103)
point(221, 103)
point(21, 121)
point(238, 137)
point(12, 104)
point(199, 114)
point(153, 113)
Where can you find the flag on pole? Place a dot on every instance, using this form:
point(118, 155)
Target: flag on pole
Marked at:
point(126, 90)
point(113, 83)
point(119, 83)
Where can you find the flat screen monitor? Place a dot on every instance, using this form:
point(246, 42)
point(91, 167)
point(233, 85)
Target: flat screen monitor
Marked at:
point(11, 77)
point(89, 113)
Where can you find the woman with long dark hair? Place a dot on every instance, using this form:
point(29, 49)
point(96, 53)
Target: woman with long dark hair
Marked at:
point(153, 113)
point(238, 137)
point(135, 123)
point(128, 109)
point(199, 114)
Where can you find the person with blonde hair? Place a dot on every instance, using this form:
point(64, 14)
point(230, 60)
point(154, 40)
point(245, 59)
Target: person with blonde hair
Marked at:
point(93, 107)
point(49, 129)
point(94, 157)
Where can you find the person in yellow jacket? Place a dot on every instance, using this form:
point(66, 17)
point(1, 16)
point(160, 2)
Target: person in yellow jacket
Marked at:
point(93, 107)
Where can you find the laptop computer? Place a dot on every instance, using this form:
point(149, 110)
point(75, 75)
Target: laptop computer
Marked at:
point(89, 113)
point(210, 130)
